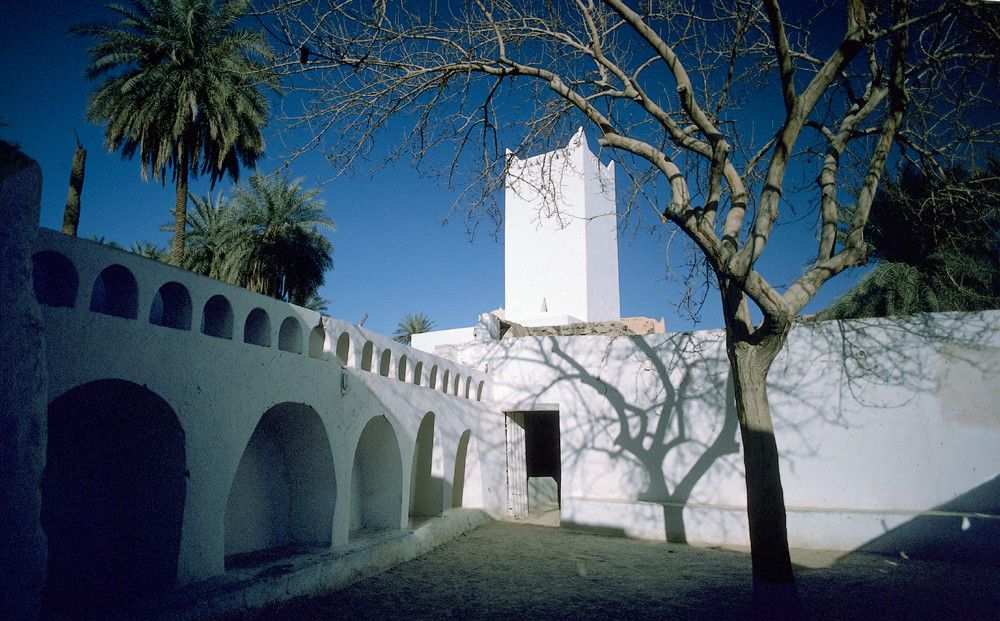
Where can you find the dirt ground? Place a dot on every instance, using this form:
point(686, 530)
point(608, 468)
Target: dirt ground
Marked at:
point(514, 571)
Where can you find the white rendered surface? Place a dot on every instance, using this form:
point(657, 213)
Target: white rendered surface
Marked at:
point(560, 237)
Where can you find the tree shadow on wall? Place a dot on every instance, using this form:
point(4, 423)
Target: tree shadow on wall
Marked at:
point(661, 415)
point(664, 428)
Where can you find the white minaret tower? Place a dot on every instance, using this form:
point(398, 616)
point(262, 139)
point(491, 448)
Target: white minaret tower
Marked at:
point(561, 238)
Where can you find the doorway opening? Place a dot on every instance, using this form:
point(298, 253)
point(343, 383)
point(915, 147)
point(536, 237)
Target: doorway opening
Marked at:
point(534, 465)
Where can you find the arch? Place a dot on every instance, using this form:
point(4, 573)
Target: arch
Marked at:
point(418, 371)
point(115, 293)
point(317, 343)
point(257, 328)
point(458, 383)
point(444, 381)
point(427, 475)
point(54, 279)
point(385, 363)
point(401, 369)
point(468, 386)
point(376, 480)
point(367, 356)
point(345, 350)
point(112, 497)
point(479, 390)
point(432, 382)
point(171, 307)
point(467, 486)
point(290, 335)
point(217, 318)
point(285, 486)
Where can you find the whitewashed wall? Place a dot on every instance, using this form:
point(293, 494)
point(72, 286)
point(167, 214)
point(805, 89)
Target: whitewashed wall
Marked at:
point(272, 432)
point(878, 422)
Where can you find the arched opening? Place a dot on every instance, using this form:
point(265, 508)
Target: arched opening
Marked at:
point(467, 486)
point(290, 335)
point(458, 382)
point(376, 480)
point(54, 279)
point(257, 328)
point(285, 488)
point(468, 386)
point(385, 363)
point(444, 381)
point(401, 369)
point(217, 318)
point(344, 351)
point(367, 356)
point(115, 293)
point(418, 371)
point(171, 307)
point(479, 391)
point(317, 343)
point(427, 475)
point(112, 498)
point(432, 382)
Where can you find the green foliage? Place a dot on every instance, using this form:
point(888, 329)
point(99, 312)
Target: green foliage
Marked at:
point(268, 238)
point(936, 244)
point(410, 325)
point(181, 88)
point(280, 250)
point(105, 242)
point(150, 251)
point(211, 231)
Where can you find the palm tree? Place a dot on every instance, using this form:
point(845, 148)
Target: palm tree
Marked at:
point(212, 229)
point(410, 325)
point(150, 251)
point(281, 250)
point(182, 88)
point(936, 244)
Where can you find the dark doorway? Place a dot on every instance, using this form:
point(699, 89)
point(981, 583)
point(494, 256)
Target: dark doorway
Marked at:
point(112, 497)
point(541, 451)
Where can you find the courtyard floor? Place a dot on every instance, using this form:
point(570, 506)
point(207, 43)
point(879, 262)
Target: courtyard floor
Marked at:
point(518, 570)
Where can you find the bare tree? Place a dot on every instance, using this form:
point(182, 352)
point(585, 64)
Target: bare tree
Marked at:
point(714, 110)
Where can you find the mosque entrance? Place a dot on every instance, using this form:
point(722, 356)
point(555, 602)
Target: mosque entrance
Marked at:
point(534, 467)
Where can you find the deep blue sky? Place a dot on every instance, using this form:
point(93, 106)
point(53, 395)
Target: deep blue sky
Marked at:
point(392, 254)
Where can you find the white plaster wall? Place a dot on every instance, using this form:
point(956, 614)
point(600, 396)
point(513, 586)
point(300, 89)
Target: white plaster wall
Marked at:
point(877, 423)
point(556, 255)
point(220, 389)
point(603, 297)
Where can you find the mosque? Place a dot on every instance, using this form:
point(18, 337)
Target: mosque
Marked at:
point(176, 447)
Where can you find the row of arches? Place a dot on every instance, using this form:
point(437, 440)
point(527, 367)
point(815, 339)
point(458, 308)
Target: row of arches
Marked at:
point(115, 292)
point(432, 376)
point(116, 479)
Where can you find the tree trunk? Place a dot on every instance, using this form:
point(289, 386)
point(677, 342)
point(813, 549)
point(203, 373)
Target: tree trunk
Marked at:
point(751, 353)
point(71, 214)
point(180, 207)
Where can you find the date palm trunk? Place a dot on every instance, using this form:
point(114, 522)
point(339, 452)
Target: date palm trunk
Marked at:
point(180, 206)
point(71, 214)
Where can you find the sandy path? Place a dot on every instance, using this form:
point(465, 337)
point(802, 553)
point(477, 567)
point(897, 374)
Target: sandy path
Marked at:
point(515, 571)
